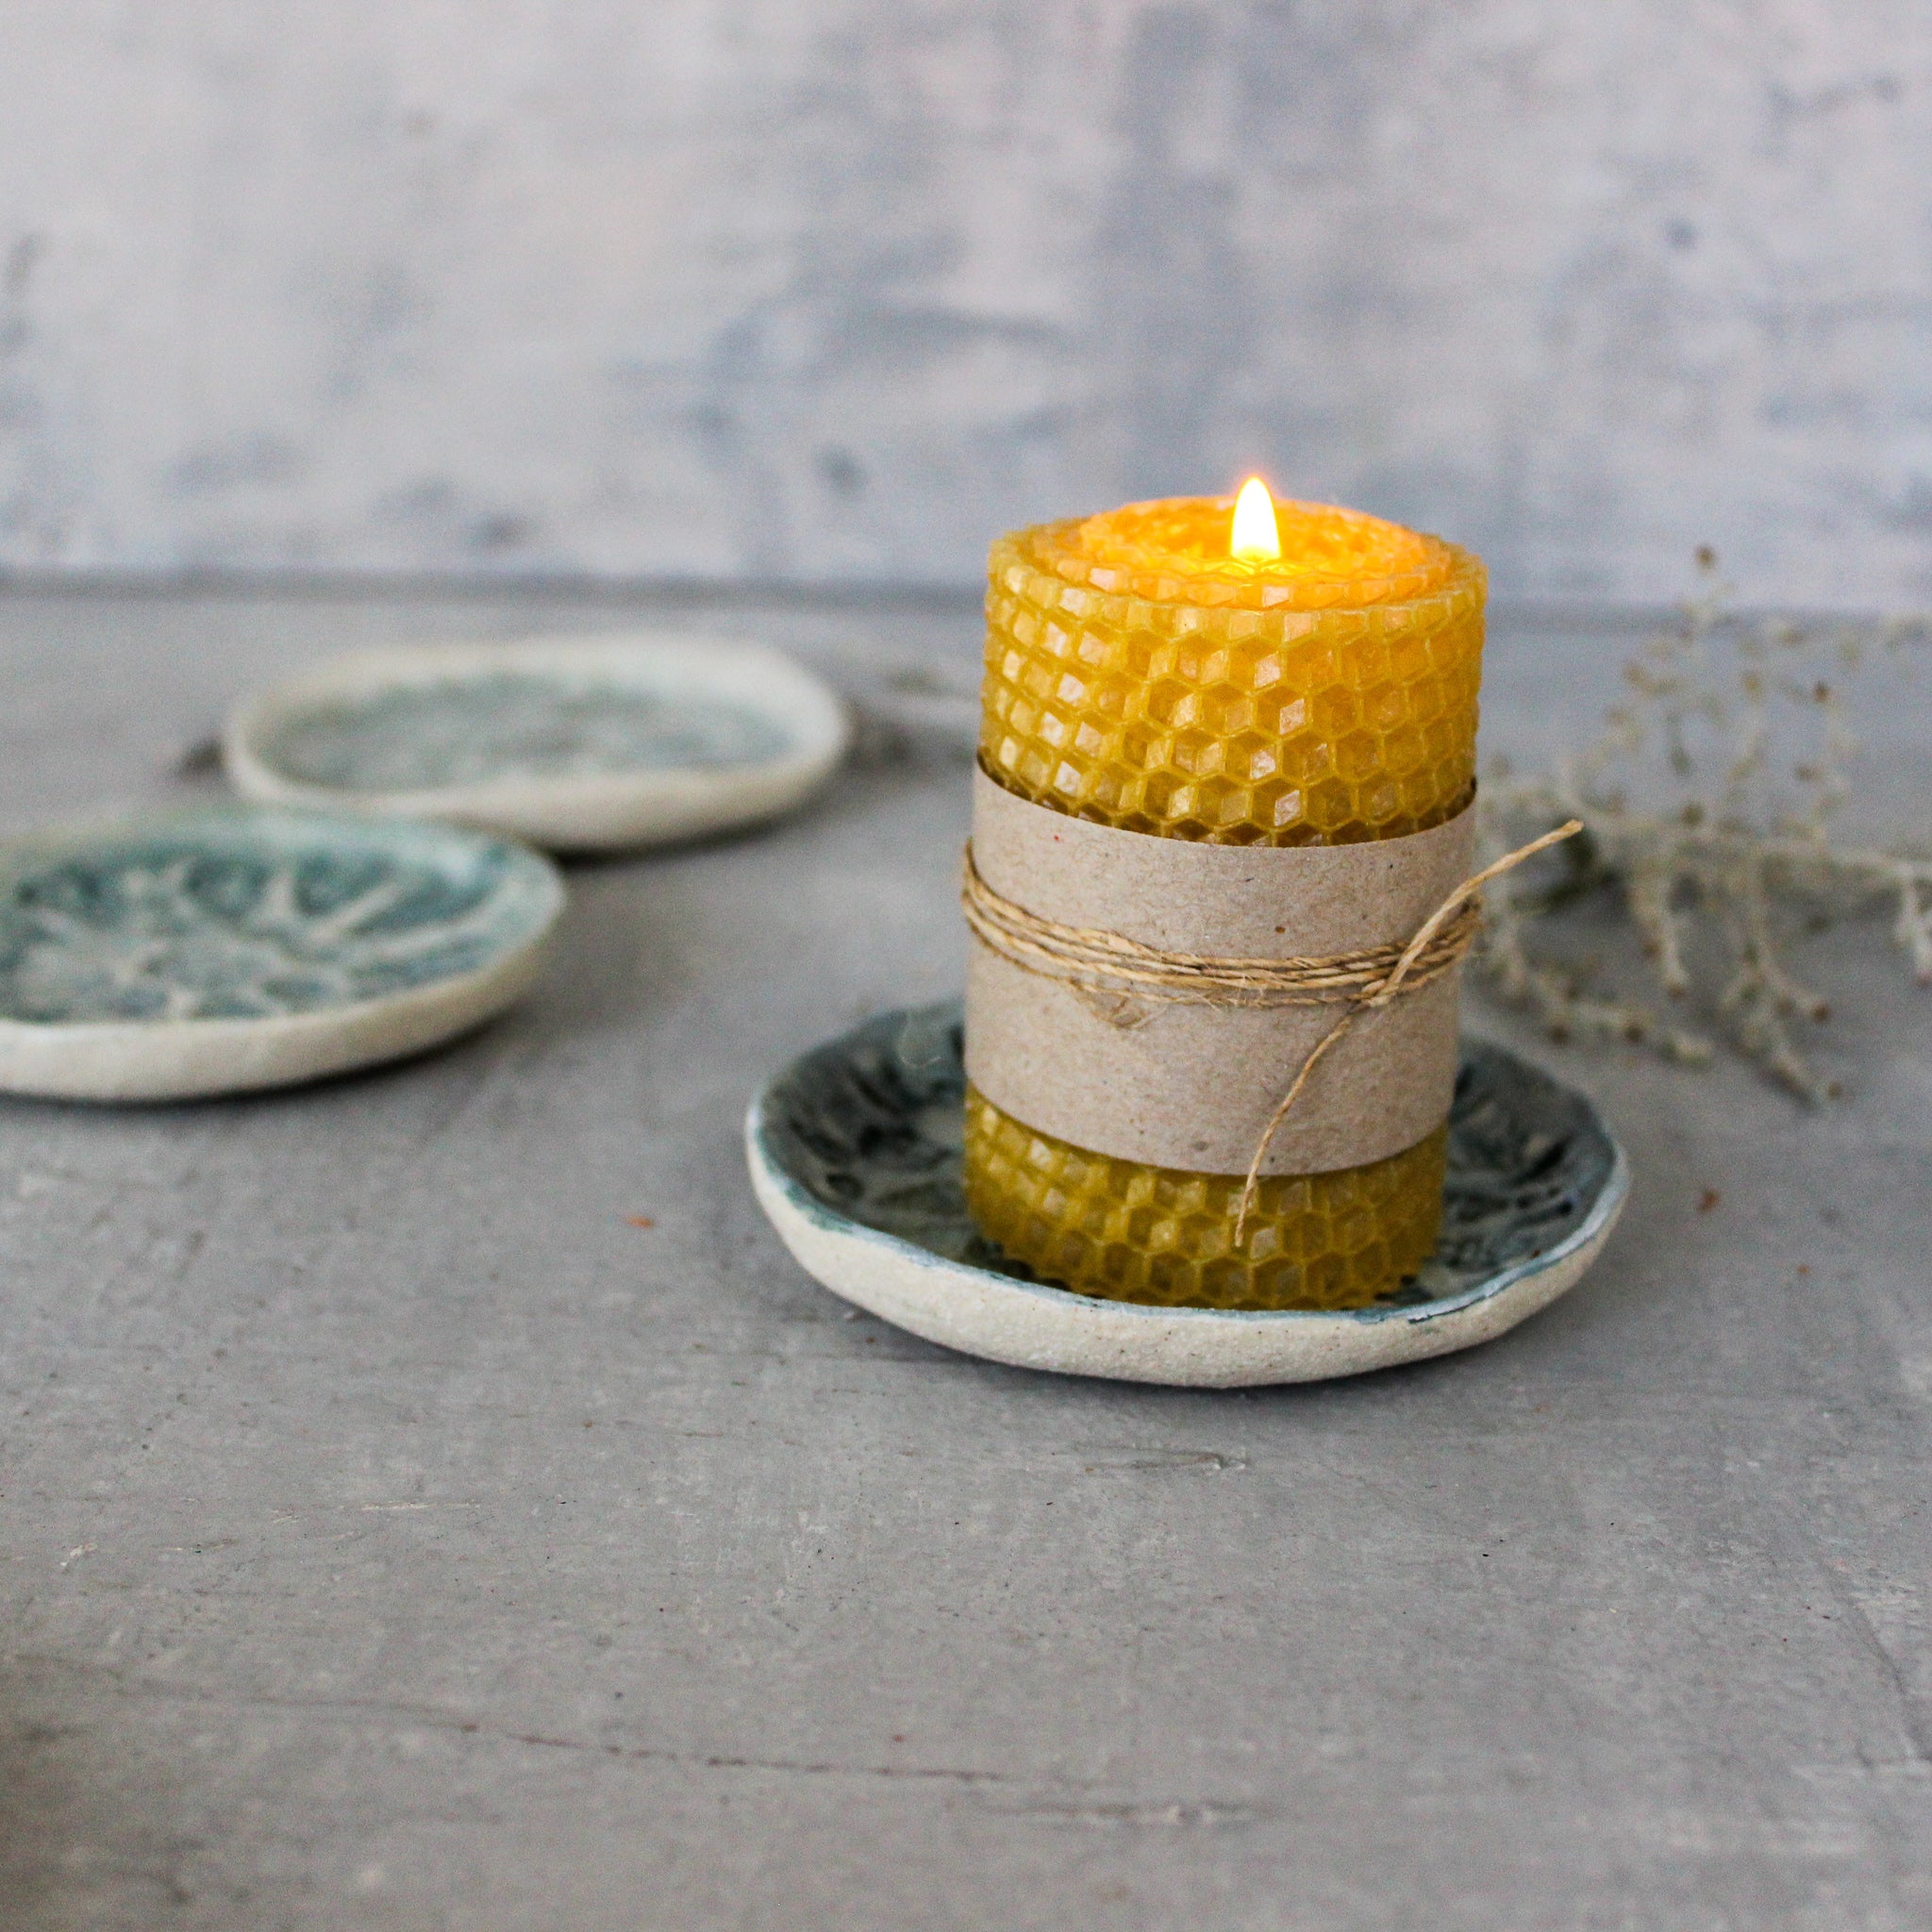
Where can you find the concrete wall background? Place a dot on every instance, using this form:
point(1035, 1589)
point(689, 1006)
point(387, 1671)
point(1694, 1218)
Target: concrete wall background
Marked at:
point(832, 288)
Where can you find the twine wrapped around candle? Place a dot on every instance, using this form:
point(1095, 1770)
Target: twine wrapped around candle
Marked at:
point(1097, 961)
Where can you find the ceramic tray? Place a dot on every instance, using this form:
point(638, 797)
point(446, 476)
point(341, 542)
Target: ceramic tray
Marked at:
point(578, 744)
point(855, 1152)
point(212, 952)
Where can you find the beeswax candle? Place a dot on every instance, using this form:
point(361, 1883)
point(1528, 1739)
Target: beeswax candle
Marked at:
point(1156, 670)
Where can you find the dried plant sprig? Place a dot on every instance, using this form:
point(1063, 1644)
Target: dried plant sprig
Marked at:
point(1713, 845)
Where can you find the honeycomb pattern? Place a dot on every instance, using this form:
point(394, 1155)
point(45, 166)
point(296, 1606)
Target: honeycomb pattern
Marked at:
point(1240, 703)
point(1135, 1233)
point(1137, 675)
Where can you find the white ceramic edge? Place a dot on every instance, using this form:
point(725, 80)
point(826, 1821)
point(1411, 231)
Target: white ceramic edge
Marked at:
point(1033, 1326)
point(603, 812)
point(197, 1059)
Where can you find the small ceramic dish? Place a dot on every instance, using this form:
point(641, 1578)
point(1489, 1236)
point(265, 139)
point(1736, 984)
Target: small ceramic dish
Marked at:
point(578, 744)
point(191, 954)
point(855, 1152)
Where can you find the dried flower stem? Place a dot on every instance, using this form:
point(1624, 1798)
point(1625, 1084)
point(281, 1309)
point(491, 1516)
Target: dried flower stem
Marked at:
point(1709, 843)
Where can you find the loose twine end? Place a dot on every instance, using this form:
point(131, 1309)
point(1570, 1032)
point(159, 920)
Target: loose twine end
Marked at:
point(1380, 993)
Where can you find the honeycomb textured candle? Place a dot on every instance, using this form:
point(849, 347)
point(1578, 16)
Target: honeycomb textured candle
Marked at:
point(1137, 675)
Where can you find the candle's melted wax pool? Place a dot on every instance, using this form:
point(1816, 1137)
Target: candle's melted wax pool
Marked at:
point(1175, 550)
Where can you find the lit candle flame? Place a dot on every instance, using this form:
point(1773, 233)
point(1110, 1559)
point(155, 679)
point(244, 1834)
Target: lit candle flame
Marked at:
point(1255, 538)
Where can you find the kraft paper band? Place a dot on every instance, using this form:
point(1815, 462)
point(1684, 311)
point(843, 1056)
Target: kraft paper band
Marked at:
point(1194, 1087)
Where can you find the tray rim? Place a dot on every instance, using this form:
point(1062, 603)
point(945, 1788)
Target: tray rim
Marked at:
point(1138, 1341)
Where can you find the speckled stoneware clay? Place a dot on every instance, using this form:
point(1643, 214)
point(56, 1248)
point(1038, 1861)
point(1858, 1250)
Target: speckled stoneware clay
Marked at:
point(578, 744)
point(213, 952)
point(856, 1156)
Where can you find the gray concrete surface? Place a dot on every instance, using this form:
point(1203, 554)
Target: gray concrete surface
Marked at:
point(828, 289)
point(394, 1539)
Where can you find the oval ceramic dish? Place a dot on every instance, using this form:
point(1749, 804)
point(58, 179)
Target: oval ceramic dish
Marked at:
point(580, 744)
point(214, 951)
point(855, 1152)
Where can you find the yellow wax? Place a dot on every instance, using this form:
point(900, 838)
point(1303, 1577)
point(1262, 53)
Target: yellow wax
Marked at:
point(1141, 674)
